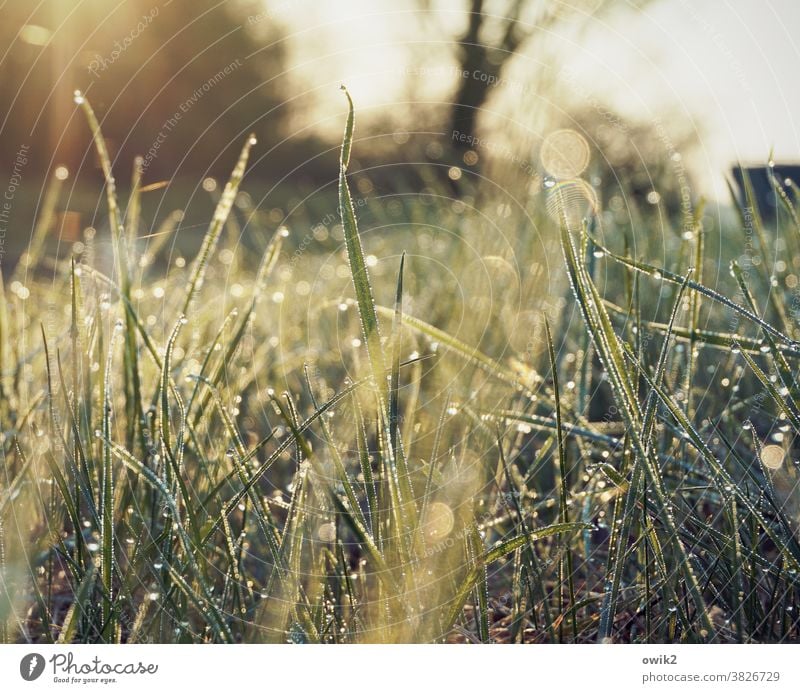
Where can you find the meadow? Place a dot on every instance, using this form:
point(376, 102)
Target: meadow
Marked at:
point(428, 417)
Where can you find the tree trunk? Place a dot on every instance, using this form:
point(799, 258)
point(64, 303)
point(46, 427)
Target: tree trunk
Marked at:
point(472, 91)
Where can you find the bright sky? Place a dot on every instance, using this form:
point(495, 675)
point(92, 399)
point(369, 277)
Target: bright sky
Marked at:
point(725, 68)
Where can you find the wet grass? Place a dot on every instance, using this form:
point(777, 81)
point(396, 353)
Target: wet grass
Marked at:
point(323, 445)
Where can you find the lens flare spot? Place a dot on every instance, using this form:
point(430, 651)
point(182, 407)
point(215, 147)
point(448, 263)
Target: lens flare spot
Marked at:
point(35, 35)
point(327, 532)
point(772, 456)
point(440, 521)
point(565, 154)
point(571, 201)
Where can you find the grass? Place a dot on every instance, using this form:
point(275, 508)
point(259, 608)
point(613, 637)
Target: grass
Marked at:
point(420, 453)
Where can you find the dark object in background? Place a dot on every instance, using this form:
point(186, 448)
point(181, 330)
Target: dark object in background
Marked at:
point(180, 83)
point(766, 198)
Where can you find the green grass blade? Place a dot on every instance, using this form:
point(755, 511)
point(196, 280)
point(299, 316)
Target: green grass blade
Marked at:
point(358, 268)
point(221, 213)
point(565, 564)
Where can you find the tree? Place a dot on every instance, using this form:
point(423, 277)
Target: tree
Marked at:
point(494, 34)
point(482, 64)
